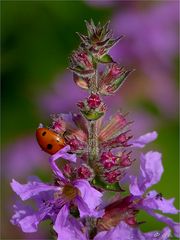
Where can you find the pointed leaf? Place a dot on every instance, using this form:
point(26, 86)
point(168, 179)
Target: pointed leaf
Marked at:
point(114, 41)
point(105, 29)
point(102, 43)
point(114, 85)
point(106, 59)
point(118, 82)
point(97, 181)
point(84, 38)
point(92, 115)
point(89, 28)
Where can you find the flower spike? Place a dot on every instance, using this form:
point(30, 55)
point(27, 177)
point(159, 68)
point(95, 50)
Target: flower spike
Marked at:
point(91, 160)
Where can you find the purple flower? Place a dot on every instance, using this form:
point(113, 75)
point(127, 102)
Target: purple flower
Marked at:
point(96, 152)
point(25, 217)
point(67, 227)
point(55, 201)
point(144, 139)
point(31, 189)
point(62, 153)
point(151, 170)
point(125, 232)
point(173, 225)
point(120, 215)
point(50, 205)
point(125, 209)
point(155, 201)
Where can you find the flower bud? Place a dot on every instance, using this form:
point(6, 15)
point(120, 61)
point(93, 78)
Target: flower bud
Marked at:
point(99, 40)
point(81, 64)
point(92, 108)
point(81, 105)
point(58, 123)
point(113, 79)
point(125, 160)
point(119, 141)
point(115, 70)
point(108, 160)
point(67, 170)
point(112, 177)
point(75, 144)
point(85, 172)
point(94, 101)
point(120, 210)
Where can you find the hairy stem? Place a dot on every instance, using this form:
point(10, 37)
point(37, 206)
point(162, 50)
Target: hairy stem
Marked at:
point(93, 145)
point(93, 148)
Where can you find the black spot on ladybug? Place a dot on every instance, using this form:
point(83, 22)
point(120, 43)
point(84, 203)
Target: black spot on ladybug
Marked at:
point(49, 146)
point(44, 133)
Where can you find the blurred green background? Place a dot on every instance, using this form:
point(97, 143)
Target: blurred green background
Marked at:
point(37, 38)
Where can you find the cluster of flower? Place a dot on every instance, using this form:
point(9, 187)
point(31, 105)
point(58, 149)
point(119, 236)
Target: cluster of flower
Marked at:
point(95, 159)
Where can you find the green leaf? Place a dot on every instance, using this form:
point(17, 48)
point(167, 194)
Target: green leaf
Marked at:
point(106, 59)
point(92, 115)
point(113, 42)
point(97, 181)
point(118, 82)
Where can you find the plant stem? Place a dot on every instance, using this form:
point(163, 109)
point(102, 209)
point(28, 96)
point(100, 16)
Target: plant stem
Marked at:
point(93, 145)
point(93, 148)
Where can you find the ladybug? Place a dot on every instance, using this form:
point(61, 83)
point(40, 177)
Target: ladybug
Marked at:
point(49, 141)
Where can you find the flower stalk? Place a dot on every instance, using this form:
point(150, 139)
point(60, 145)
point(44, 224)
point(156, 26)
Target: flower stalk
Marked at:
point(95, 160)
point(93, 144)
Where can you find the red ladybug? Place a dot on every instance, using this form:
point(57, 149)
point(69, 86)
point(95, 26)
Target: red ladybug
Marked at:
point(49, 141)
